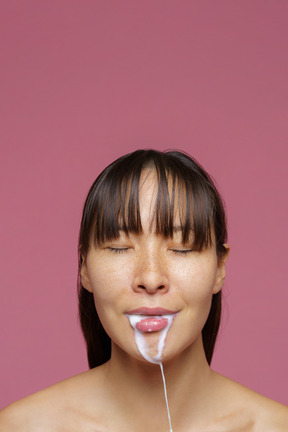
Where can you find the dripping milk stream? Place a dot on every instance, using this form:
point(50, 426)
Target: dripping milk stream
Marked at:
point(143, 349)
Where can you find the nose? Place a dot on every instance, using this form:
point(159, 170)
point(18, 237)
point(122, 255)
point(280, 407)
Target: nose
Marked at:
point(151, 274)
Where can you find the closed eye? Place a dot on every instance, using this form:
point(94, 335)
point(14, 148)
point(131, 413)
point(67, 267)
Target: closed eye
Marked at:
point(117, 249)
point(182, 251)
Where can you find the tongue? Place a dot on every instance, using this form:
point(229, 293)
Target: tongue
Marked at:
point(152, 324)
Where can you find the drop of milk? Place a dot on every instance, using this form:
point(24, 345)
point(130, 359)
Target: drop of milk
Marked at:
point(143, 349)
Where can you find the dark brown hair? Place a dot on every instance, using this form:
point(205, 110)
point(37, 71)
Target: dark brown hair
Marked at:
point(113, 204)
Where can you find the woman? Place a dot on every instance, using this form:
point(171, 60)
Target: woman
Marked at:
point(152, 253)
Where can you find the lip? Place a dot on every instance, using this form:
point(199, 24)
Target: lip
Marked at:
point(151, 311)
point(152, 324)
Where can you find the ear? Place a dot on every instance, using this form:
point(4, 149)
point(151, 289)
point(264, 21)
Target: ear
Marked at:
point(221, 271)
point(84, 275)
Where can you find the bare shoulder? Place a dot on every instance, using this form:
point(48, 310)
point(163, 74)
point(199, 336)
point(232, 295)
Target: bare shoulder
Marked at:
point(59, 407)
point(259, 412)
point(272, 416)
point(28, 414)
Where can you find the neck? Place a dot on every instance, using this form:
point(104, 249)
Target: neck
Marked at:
point(188, 377)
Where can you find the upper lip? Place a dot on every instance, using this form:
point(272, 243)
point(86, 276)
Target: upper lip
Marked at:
point(151, 311)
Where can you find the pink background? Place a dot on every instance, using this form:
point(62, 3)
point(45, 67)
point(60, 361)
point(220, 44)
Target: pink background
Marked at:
point(83, 82)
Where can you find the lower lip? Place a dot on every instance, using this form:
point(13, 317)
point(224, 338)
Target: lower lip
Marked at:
point(152, 324)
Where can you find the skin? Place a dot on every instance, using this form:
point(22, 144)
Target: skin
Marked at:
point(126, 393)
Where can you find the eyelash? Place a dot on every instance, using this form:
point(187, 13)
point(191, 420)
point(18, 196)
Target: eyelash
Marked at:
point(117, 250)
point(182, 252)
point(176, 251)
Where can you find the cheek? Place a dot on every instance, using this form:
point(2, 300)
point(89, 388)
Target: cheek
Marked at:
point(105, 299)
point(197, 287)
point(108, 284)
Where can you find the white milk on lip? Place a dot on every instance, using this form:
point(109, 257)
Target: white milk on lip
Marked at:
point(143, 349)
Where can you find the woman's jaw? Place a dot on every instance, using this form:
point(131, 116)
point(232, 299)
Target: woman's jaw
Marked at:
point(157, 324)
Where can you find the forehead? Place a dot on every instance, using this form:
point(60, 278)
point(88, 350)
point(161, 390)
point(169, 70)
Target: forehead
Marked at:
point(148, 190)
point(151, 194)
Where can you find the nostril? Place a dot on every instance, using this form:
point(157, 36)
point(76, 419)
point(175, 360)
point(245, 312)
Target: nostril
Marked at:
point(151, 289)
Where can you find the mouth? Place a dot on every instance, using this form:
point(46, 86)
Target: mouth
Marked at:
point(153, 311)
point(149, 320)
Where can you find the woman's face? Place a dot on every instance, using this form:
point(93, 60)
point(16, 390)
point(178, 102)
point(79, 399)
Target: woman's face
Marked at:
point(149, 271)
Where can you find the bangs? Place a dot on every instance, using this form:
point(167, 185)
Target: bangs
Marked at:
point(182, 199)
